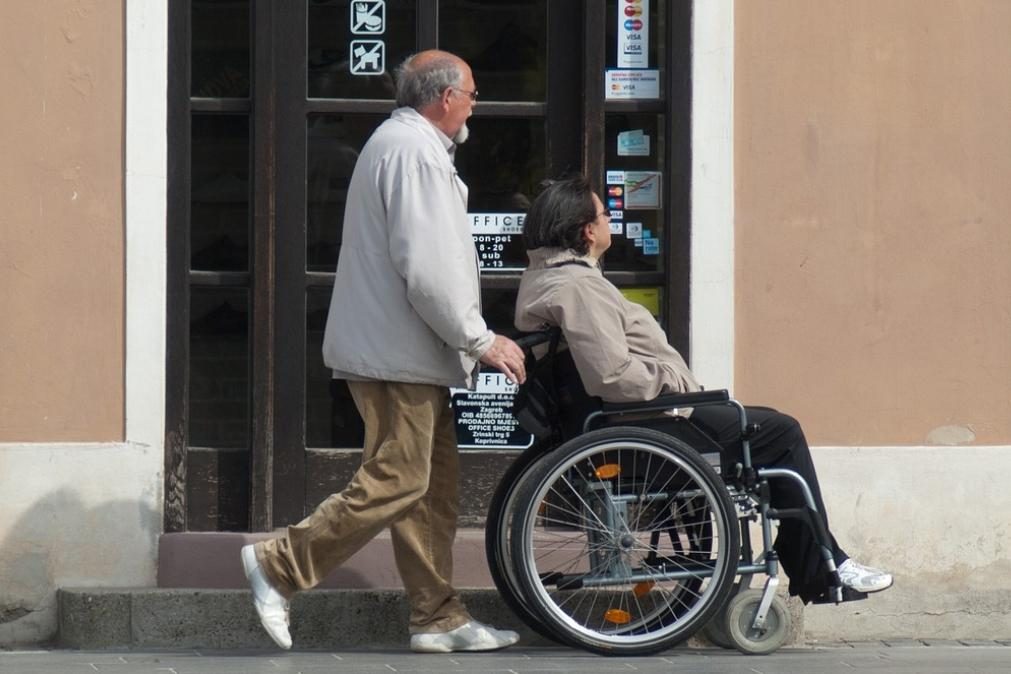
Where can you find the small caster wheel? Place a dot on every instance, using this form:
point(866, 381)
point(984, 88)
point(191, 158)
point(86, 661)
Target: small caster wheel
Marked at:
point(741, 614)
point(715, 631)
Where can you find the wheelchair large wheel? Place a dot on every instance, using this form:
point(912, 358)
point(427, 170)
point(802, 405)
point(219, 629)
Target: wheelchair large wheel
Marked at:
point(624, 541)
point(496, 541)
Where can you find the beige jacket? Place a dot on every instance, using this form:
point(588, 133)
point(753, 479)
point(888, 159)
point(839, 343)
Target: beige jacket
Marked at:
point(406, 303)
point(620, 351)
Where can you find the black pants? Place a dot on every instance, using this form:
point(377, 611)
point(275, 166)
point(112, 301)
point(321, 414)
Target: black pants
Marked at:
point(779, 443)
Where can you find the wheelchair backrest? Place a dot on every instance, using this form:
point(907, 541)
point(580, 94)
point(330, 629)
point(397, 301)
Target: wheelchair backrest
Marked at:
point(552, 402)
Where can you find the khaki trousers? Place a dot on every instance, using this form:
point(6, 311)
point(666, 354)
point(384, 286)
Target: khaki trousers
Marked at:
point(408, 482)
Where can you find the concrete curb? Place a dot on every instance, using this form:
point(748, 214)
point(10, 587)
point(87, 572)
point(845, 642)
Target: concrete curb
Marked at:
point(138, 618)
point(225, 619)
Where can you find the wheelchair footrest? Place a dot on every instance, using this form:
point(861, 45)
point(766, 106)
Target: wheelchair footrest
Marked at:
point(848, 594)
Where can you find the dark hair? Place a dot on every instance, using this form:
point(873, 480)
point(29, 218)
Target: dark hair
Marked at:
point(558, 214)
point(417, 86)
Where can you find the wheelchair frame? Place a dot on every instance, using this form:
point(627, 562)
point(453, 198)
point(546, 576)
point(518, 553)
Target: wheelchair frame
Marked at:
point(727, 612)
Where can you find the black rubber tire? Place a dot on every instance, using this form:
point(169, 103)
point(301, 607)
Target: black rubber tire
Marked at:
point(715, 631)
point(496, 540)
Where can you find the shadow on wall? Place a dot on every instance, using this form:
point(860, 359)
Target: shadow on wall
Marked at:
point(60, 542)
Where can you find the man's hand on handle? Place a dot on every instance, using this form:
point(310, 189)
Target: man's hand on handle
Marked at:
point(505, 356)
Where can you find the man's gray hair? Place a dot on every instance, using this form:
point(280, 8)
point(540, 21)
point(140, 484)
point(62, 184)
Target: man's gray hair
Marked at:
point(419, 86)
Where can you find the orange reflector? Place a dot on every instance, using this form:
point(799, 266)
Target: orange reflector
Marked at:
point(617, 616)
point(607, 471)
point(642, 588)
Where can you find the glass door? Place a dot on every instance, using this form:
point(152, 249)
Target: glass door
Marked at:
point(270, 104)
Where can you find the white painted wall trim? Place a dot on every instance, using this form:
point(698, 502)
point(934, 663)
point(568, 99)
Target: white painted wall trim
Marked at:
point(62, 503)
point(74, 515)
point(145, 188)
point(937, 518)
point(712, 195)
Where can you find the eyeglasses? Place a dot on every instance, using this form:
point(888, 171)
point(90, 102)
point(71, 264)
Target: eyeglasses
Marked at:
point(472, 94)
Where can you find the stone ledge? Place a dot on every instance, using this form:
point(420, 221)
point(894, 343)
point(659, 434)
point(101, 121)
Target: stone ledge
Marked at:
point(93, 618)
point(138, 618)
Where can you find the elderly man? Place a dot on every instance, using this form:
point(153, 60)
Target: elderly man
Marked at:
point(404, 326)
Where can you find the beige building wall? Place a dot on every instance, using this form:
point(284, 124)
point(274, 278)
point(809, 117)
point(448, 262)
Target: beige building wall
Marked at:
point(61, 222)
point(66, 241)
point(873, 243)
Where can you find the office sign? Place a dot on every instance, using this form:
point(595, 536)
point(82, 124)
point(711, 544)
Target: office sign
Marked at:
point(484, 416)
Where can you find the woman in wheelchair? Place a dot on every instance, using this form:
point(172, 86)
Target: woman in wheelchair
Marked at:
point(622, 355)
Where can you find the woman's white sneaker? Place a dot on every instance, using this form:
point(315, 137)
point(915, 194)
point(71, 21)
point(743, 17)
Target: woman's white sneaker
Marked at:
point(856, 576)
point(472, 636)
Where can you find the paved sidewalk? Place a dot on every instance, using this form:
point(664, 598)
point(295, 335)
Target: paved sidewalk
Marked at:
point(918, 657)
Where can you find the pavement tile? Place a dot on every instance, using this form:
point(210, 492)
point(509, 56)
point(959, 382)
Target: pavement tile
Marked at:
point(941, 658)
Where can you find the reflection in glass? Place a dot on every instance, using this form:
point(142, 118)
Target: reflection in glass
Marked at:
point(329, 39)
point(503, 163)
point(219, 208)
point(631, 249)
point(332, 146)
point(498, 306)
point(657, 31)
point(331, 418)
point(505, 44)
point(220, 34)
point(219, 368)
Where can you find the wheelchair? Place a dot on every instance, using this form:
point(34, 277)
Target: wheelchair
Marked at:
point(619, 539)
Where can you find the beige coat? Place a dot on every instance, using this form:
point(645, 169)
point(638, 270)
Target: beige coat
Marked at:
point(620, 351)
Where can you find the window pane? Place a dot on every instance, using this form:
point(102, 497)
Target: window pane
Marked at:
point(219, 368)
point(388, 36)
point(505, 44)
point(635, 147)
point(498, 306)
point(220, 49)
point(331, 417)
point(333, 144)
point(502, 164)
point(653, 20)
point(219, 197)
point(650, 297)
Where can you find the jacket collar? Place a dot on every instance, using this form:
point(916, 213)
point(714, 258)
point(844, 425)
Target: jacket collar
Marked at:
point(411, 117)
point(544, 258)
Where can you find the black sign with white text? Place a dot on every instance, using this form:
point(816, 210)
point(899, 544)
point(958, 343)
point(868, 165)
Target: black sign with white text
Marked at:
point(484, 418)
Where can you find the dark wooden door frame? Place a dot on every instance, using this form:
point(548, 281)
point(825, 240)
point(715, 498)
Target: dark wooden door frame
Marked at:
point(177, 256)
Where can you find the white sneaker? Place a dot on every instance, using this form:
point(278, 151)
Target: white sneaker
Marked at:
point(472, 636)
point(270, 604)
point(862, 578)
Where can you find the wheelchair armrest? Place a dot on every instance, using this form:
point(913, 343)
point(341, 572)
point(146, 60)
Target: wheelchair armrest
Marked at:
point(667, 402)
